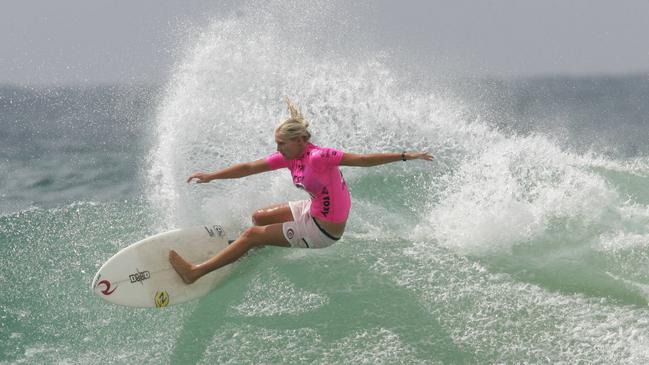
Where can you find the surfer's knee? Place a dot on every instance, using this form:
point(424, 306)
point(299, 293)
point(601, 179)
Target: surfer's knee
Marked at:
point(257, 217)
point(252, 235)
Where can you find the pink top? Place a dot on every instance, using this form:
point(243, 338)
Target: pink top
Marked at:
point(316, 171)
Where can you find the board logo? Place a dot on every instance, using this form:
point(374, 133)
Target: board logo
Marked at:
point(290, 233)
point(215, 230)
point(139, 276)
point(161, 299)
point(106, 290)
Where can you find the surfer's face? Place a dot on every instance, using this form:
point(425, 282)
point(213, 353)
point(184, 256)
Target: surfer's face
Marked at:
point(290, 148)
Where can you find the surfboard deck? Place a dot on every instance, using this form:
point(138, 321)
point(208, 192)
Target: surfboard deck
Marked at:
point(140, 275)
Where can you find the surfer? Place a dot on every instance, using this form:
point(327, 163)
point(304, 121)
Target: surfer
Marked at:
point(315, 223)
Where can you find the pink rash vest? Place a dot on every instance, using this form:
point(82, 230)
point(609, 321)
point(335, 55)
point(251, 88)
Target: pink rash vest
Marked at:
point(317, 172)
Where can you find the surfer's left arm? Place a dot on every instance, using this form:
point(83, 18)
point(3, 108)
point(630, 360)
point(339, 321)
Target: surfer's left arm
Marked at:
point(374, 159)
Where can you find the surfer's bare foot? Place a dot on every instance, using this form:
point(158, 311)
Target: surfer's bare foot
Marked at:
point(182, 267)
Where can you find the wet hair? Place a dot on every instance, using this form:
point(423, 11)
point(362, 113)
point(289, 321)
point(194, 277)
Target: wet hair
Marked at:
point(295, 126)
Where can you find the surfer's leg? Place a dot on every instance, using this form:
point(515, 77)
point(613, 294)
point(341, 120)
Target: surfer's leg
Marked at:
point(253, 237)
point(278, 213)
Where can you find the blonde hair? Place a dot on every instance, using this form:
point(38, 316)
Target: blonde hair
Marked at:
point(295, 126)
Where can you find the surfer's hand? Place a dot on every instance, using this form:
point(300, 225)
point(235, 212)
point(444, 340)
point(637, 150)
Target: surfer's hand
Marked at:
point(201, 177)
point(419, 155)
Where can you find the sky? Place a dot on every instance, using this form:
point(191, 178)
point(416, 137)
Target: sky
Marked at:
point(138, 41)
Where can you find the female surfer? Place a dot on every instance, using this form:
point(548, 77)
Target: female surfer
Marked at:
point(315, 223)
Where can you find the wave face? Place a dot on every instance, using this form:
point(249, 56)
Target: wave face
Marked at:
point(526, 240)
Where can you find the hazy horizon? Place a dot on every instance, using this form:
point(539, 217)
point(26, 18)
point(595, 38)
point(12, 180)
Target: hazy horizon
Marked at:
point(78, 43)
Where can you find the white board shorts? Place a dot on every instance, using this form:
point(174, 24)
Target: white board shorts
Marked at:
point(304, 231)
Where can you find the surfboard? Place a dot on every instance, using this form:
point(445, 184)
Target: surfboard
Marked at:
point(140, 275)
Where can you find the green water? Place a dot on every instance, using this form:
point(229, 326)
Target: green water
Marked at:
point(366, 300)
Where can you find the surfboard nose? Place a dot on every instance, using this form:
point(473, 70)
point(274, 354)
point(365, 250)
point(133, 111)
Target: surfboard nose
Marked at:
point(95, 282)
point(141, 275)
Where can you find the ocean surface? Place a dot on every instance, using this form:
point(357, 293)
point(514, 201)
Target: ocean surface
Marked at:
point(526, 240)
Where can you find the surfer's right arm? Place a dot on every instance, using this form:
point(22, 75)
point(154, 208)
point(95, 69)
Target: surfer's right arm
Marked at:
point(232, 172)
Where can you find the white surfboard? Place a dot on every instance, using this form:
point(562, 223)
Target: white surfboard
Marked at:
point(140, 275)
